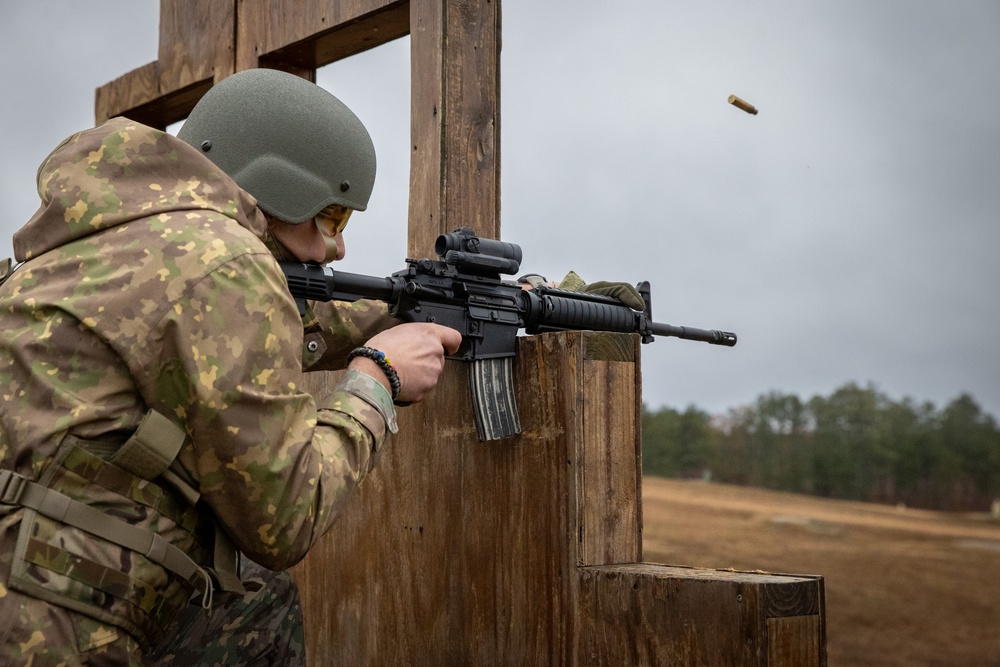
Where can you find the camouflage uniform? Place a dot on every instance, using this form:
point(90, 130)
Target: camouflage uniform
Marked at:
point(146, 286)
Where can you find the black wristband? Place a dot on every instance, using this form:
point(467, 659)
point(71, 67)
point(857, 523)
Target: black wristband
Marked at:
point(383, 362)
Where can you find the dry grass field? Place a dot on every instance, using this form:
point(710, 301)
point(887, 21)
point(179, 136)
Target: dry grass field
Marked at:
point(903, 586)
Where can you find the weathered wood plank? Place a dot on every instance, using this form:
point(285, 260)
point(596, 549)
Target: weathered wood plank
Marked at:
point(782, 599)
point(454, 120)
point(520, 527)
point(426, 206)
point(609, 470)
point(119, 99)
point(136, 89)
point(792, 641)
point(196, 49)
point(478, 540)
point(308, 35)
point(469, 553)
point(646, 614)
point(371, 578)
point(196, 42)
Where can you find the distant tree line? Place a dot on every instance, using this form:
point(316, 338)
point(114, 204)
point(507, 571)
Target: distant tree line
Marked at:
point(855, 444)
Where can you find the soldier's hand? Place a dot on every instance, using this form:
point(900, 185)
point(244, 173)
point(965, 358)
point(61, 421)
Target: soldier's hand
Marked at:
point(416, 351)
point(624, 292)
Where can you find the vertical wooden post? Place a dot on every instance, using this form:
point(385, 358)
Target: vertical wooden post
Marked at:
point(454, 120)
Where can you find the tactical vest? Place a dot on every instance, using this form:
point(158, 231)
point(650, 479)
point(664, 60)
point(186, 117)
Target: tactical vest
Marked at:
point(113, 532)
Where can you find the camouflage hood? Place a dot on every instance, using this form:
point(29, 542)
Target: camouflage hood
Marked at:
point(121, 171)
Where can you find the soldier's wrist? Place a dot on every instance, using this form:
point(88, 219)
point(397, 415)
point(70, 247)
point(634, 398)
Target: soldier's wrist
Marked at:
point(368, 367)
point(372, 391)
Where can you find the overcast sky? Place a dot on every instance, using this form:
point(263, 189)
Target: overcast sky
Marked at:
point(848, 232)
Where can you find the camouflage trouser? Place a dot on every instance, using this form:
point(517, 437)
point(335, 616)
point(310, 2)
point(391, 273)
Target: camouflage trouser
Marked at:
point(264, 627)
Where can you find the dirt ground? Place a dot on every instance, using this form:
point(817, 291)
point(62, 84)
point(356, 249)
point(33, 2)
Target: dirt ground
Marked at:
point(903, 586)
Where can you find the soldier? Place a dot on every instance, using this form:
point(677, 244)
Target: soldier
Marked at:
point(153, 426)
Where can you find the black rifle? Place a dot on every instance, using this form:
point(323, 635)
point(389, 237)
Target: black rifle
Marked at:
point(464, 291)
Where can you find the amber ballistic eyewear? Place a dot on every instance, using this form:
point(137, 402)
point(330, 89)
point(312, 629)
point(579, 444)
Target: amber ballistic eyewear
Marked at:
point(333, 219)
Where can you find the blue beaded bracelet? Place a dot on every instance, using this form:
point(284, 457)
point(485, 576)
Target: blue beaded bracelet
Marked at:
point(383, 362)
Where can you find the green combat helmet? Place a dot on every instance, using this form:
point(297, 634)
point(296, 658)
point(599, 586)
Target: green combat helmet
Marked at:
point(286, 141)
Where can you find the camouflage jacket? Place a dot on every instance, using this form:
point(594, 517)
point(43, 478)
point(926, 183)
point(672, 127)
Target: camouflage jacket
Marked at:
point(146, 285)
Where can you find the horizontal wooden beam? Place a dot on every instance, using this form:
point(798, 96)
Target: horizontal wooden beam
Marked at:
point(137, 95)
point(202, 43)
point(306, 36)
point(195, 51)
point(132, 90)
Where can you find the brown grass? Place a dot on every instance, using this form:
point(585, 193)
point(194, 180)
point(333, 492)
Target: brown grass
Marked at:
point(903, 587)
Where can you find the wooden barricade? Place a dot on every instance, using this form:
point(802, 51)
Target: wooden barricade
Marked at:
point(528, 550)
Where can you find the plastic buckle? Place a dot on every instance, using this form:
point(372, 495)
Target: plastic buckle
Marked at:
point(11, 487)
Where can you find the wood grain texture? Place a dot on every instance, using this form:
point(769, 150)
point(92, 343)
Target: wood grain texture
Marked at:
point(465, 552)
point(646, 614)
point(201, 43)
point(196, 49)
point(133, 90)
point(792, 641)
point(786, 599)
point(196, 43)
point(454, 120)
point(476, 553)
point(427, 169)
point(609, 475)
point(300, 36)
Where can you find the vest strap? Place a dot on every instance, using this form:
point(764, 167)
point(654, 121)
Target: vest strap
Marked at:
point(150, 453)
point(225, 563)
point(16, 489)
point(152, 448)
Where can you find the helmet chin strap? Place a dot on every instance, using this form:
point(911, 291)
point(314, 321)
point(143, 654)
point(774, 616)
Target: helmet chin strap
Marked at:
point(329, 242)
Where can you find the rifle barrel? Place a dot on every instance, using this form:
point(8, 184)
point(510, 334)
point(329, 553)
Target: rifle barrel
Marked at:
point(711, 336)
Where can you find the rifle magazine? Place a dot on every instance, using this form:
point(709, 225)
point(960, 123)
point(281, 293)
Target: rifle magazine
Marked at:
point(493, 400)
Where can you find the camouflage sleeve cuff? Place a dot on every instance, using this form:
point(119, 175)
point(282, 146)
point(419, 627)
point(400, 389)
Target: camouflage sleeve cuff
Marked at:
point(371, 391)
